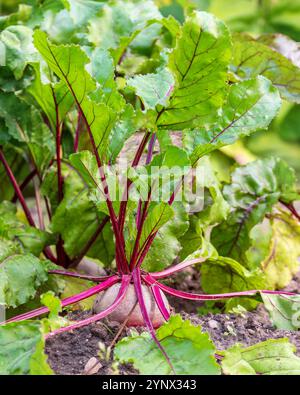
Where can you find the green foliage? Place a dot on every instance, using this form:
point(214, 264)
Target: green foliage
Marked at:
point(79, 77)
point(254, 190)
point(252, 58)
point(20, 276)
point(250, 106)
point(168, 240)
point(283, 250)
point(272, 357)
point(68, 62)
point(193, 72)
point(28, 238)
point(221, 275)
point(17, 49)
point(284, 310)
point(22, 350)
point(190, 350)
point(76, 234)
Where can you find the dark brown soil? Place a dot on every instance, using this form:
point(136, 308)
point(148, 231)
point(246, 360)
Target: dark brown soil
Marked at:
point(68, 353)
point(252, 327)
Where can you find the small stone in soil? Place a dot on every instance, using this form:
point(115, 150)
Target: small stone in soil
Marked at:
point(92, 366)
point(213, 324)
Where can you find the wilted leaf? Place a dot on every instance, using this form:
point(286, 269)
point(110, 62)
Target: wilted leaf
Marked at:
point(282, 260)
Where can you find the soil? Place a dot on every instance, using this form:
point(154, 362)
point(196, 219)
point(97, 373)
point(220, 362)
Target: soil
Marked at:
point(69, 353)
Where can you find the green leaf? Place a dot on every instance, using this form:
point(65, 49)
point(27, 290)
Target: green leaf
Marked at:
point(222, 275)
point(199, 64)
point(252, 58)
point(128, 123)
point(17, 48)
point(81, 11)
point(22, 349)
point(250, 106)
point(288, 128)
point(48, 96)
point(20, 277)
point(54, 321)
point(153, 89)
point(272, 357)
point(76, 219)
point(8, 248)
point(167, 240)
point(195, 242)
point(215, 208)
point(25, 128)
point(254, 190)
point(121, 22)
point(284, 311)
point(38, 361)
point(68, 62)
point(20, 16)
point(284, 45)
point(29, 239)
point(189, 349)
point(86, 164)
point(157, 217)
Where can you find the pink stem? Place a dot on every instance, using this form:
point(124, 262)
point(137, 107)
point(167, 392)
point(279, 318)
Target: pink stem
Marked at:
point(176, 268)
point(191, 296)
point(96, 279)
point(139, 294)
point(17, 189)
point(160, 302)
point(121, 294)
point(292, 209)
point(24, 184)
point(138, 214)
point(67, 301)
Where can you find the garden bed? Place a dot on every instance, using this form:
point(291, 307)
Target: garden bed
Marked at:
point(70, 352)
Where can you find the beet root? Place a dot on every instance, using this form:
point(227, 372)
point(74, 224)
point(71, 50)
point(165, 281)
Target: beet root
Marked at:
point(121, 313)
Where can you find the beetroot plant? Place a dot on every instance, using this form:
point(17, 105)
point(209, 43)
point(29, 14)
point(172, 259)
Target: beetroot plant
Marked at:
point(109, 120)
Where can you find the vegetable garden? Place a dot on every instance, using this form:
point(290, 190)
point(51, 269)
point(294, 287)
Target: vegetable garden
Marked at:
point(149, 202)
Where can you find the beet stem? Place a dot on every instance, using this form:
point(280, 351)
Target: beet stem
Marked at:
point(139, 294)
point(121, 294)
point(67, 301)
